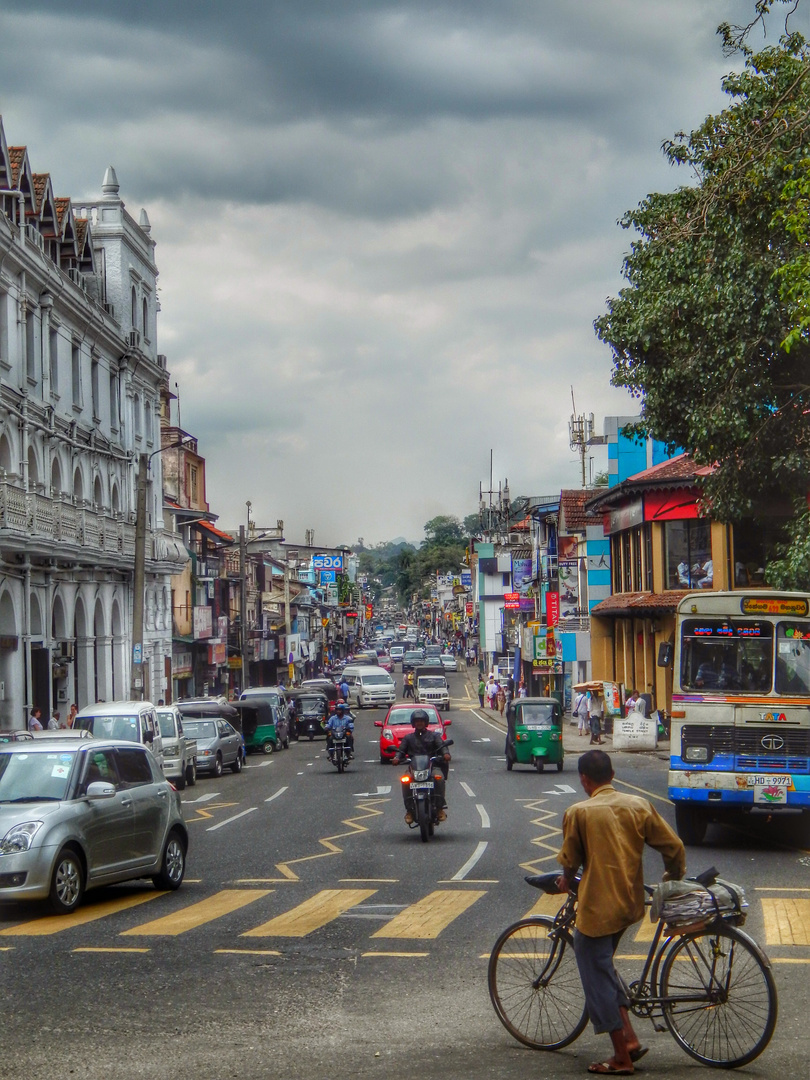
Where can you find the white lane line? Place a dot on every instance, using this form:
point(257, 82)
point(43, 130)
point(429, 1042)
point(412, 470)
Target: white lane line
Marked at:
point(309, 766)
point(300, 774)
point(489, 723)
point(468, 789)
point(227, 821)
point(279, 792)
point(202, 798)
point(261, 765)
point(484, 816)
point(470, 863)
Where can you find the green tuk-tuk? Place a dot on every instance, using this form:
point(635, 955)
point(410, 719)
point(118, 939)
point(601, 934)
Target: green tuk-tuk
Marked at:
point(263, 726)
point(534, 733)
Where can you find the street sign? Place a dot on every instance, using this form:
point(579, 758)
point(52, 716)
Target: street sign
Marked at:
point(511, 601)
point(291, 672)
point(552, 608)
point(327, 577)
point(327, 562)
point(137, 653)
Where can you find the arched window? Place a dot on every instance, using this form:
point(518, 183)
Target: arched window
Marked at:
point(33, 471)
point(56, 478)
point(136, 409)
point(78, 485)
point(5, 455)
point(97, 496)
point(116, 501)
point(134, 296)
point(145, 312)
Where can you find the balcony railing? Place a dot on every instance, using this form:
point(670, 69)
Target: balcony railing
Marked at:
point(40, 518)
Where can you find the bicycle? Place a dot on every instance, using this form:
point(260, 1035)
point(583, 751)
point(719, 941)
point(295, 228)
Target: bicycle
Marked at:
point(711, 983)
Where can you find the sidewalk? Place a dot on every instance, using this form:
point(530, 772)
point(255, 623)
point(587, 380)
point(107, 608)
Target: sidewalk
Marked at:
point(573, 742)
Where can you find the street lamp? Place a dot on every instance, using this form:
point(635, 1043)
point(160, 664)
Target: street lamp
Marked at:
point(144, 464)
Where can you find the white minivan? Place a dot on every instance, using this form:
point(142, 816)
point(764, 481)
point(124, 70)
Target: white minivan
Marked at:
point(369, 686)
point(135, 721)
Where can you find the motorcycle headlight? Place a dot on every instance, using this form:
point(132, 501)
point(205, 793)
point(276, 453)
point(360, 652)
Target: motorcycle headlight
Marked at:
point(19, 837)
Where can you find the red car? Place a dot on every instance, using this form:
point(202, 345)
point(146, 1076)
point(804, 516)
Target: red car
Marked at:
point(397, 725)
point(385, 662)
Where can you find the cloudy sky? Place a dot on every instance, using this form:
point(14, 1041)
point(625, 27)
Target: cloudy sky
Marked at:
point(384, 227)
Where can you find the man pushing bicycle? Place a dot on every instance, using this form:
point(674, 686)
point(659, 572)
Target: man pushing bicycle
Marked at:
point(605, 835)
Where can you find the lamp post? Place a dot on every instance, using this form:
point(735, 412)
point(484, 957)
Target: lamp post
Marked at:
point(144, 464)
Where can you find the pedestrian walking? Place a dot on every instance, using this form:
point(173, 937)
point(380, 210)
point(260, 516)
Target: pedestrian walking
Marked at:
point(35, 719)
point(491, 691)
point(605, 834)
point(522, 691)
point(595, 714)
point(501, 699)
point(481, 688)
point(580, 712)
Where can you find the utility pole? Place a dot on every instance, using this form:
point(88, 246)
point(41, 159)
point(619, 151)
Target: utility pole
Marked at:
point(136, 680)
point(243, 603)
point(287, 619)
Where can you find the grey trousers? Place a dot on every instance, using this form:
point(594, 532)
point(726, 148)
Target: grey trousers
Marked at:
point(604, 993)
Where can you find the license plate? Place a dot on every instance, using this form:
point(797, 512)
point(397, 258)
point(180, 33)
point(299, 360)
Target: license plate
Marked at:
point(766, 780)
point(428, 786)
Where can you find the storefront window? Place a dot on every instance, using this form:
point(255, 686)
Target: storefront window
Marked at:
point(688, 555)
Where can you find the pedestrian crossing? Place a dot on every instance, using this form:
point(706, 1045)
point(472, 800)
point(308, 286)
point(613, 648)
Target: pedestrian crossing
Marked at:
point(775, 921)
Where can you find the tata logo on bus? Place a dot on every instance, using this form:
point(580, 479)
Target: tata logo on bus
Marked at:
point(773, 718)
point(327, 562)
point(772, 742)
point(772, 605)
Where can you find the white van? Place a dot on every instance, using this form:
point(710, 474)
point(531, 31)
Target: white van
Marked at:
point(135, 721)
point(369, 686)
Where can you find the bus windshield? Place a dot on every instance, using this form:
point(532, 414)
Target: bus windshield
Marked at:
point(727, 654)
point(793, 658)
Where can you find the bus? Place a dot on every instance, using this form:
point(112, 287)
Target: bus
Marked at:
point(740, 732)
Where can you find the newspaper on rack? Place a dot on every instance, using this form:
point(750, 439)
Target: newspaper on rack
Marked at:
point(683, 903)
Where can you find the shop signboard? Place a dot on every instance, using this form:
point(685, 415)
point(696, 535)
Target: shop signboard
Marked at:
point(217, 654)
point(469, 607)
point(568, 573)
point(182, 665)
point(546, 645)
point(466, 578)
point(552, 608)
point(522, 583)
point(203, 623)
point(327, 562)
point(327, 577)
point(511, 601)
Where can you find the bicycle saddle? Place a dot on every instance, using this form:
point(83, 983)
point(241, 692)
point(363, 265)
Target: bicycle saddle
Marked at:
point(548, 882)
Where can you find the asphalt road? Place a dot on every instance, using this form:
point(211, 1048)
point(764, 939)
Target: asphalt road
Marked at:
point(316, 936)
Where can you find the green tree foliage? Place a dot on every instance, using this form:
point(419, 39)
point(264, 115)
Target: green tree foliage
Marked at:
point(443, 530)
point(711, 331)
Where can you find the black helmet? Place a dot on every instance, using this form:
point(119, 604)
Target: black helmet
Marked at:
point(418, 714)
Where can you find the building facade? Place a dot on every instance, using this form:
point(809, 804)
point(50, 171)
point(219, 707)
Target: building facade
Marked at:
point(80, 386)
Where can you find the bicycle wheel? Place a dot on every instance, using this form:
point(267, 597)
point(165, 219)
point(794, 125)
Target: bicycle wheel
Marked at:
point(722, 1007)
point(534, 984)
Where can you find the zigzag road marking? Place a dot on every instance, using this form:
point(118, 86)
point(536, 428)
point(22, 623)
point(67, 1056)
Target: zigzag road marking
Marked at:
point(540, 841)
point(284, 868)
point(206, 815)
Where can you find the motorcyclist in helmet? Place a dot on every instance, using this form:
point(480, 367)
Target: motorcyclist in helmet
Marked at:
point(340, 718)
point(422, 741)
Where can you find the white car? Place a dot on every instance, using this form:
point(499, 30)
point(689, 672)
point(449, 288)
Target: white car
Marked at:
point(448, 662)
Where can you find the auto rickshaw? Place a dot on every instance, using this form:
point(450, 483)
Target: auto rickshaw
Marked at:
point(534, 733)
point(262, 726)
point(310, 710)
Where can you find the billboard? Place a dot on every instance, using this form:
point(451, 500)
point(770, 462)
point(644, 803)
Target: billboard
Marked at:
point(327, 562)
point(568, 570)
point(522, 583)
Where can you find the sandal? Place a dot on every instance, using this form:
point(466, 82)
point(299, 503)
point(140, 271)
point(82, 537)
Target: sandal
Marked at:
point(607, 1068)
point(638, 1053)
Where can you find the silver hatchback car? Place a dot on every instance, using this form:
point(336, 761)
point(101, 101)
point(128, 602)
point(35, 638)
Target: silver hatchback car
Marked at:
point(74, 816)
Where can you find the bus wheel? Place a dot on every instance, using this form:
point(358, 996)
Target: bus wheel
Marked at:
point(690, 822)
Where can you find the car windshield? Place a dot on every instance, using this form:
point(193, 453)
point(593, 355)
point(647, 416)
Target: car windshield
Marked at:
point(310, 705)
point(403, 716)
point(537, 715)
point(377, 680)
point(110, 727)
point(32, 777)
point(200, 729)
point(413, 656)
point(719, 654)
point(430, 682)
point(166, 723)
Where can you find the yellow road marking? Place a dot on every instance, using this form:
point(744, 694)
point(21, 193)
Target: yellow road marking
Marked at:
point(54, 924)
point(327, 842)
point(468, 881)
point(99, 948)
point(395, 954)
point(548, 904)
point(544, 816)
point(789, 960)
point(248, 952)
point(778, 888)
point(787, 920)
point(213, 907)
point(205, 813)
point(649, 794)
point(646, 931)
point(431, 915)
point(7, 948)
point(314, 913)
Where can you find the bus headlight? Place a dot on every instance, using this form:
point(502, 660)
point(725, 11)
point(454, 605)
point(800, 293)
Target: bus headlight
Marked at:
point(696, 753)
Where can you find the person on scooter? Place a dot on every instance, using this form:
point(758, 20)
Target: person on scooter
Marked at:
point(422, 741)
point(340, 718)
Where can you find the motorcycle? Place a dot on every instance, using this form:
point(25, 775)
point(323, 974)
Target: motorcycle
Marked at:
point(340, 753)
point(423, 774)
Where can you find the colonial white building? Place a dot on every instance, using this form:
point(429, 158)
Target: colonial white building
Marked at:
point(80, 382)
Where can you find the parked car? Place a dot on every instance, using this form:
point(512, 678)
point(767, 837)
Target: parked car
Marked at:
point(76, 814)
point(448, 662)
point(134, 721)
point(385, 662)
point(219, 744)
point(397, 725)
point(179, 751)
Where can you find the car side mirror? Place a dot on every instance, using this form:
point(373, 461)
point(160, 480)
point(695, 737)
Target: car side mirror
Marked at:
point(100, 789)
point(447, 723)
point(378, 723)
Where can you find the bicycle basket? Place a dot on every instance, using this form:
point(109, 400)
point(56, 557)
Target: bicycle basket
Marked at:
point(687, 903)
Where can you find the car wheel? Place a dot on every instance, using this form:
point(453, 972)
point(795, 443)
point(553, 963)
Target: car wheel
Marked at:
point(218, 765)
point(268, 746)
point(67, 882)
point(191, 774)
point(172, 865)
point(237, 765)
point(180, 781)
point(559, 766)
